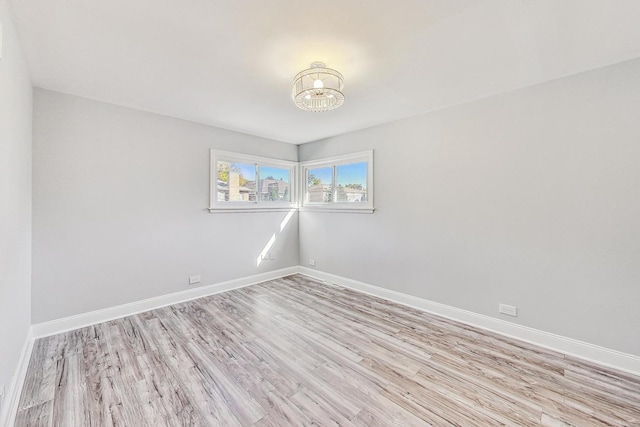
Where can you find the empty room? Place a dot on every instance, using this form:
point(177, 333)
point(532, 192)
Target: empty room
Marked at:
point(338, 213)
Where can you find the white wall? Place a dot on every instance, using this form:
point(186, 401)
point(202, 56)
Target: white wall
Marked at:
point(15, 200)
point(530, 198)
point(120, 207)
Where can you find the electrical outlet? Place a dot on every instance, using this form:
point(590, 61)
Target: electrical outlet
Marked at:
point(509, 310)
point(194, 279)
point(312, 262)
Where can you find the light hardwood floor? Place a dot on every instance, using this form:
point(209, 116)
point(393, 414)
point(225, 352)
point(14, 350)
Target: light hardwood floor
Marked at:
point(297, 352)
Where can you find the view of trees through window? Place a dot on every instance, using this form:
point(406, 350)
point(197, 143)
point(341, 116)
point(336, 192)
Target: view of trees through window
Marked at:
point(350, 182)
point(274, 184)
point(319, 185)
point(246, 182)
point(243, 182)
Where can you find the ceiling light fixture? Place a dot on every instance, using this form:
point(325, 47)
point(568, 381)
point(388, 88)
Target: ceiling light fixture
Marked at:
point(318, 89)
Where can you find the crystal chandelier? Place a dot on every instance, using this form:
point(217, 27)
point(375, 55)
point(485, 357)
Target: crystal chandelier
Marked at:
point(318, 89)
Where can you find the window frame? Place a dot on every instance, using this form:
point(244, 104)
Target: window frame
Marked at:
point(334, 205)
point(216, 206)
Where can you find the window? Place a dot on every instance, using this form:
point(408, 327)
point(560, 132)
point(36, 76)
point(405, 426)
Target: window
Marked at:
point(342, 183)
point(242, 183)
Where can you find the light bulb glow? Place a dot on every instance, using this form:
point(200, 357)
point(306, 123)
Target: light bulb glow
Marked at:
point(318, 88)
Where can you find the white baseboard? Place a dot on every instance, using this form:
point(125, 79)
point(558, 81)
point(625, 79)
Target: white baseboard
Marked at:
point(57, 326)
point(12, 399)
point(569, 346)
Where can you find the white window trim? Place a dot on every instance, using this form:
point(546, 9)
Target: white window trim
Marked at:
point(216, 206)
point(345, 207)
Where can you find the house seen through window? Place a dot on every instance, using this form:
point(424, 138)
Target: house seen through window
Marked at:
point(343, 183)
point(248, 182)
point(243, 182)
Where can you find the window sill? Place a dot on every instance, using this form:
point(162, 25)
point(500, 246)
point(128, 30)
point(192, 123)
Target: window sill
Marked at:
point(335, 210)
point(290, 208)
point(251, 210)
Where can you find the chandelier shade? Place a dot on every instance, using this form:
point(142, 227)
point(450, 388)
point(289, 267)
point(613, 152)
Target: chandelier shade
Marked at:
point(318, 88)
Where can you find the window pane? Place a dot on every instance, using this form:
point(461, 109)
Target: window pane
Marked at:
point(274, 184)
point(351, 181)
point(236, 182)
point(319, 185)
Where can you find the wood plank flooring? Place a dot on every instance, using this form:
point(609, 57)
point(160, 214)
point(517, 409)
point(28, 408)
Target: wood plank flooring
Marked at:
point(298, 352)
